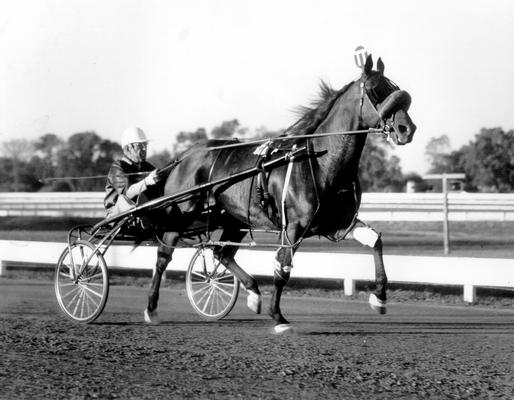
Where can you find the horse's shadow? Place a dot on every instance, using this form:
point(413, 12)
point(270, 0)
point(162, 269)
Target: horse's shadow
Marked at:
point(343, 328)
point(174, 323)
point(410, 328)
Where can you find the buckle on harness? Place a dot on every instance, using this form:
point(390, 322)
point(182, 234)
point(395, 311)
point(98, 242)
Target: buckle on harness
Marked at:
point(264, 198)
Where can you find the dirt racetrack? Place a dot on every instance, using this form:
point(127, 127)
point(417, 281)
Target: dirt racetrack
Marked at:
point(340, 350)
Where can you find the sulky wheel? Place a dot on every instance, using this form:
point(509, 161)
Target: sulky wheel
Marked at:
point(81, 282)
point(212, 289)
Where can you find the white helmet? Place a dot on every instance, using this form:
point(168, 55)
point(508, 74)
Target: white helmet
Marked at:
point(133, 135)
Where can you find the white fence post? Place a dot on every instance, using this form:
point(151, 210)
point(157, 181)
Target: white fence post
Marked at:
point(349, 286)
point(470, 293)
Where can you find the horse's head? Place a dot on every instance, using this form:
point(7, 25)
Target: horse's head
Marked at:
point(389, 104)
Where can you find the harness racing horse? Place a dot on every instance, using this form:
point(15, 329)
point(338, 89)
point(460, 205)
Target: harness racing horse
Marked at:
point(320, 192)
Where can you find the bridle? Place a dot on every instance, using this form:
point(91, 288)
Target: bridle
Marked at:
point(384, 124)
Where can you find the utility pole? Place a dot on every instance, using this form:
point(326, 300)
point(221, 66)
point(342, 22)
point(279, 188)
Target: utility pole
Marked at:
point(446, 224)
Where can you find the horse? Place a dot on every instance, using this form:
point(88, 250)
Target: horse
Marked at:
point(321, 191)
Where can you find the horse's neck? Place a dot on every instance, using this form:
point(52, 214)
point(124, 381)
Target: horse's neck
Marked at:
point(340, 165)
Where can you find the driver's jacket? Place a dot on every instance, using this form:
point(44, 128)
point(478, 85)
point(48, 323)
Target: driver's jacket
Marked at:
point(121, 176)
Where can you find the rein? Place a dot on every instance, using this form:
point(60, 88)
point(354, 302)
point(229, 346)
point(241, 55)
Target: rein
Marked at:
point(382, 131)
point(67, 178)
point(310, 136)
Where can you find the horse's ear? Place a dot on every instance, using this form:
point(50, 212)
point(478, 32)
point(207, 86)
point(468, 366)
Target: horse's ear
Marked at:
point(368, 66)
point(380, 66)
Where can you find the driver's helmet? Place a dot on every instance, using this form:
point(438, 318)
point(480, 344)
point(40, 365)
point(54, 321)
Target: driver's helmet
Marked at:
point(133, 135)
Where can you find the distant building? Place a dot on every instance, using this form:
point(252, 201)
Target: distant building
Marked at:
point(455, 182)
point(410, 187)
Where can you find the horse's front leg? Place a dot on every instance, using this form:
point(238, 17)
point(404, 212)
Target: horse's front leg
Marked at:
point(283, 264)
point(164, 254)
point(370, 238)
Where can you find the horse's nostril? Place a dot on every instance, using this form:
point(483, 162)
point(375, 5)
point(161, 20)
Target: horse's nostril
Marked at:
point(402, 129)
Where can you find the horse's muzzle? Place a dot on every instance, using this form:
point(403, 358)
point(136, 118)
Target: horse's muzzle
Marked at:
point(401, 128)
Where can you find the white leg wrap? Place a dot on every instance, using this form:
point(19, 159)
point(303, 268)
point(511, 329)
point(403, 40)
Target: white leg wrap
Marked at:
point(254, 302)
point(365, 235)
point(376, 304)
point(282, 328)
point(151, 317)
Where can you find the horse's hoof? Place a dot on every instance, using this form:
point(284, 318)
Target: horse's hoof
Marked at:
point(151, 317)
point(376, 304)
point(280, 329)
point(254, 302)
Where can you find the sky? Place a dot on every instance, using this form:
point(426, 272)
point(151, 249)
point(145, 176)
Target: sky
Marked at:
point(170, 66)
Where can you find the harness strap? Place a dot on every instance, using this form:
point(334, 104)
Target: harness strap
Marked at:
point(209, 193)
point(264, 199)
point(315, 184)
point(361, 101)
point(284, 197)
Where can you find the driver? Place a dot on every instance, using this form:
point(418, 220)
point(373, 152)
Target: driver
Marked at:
point(131, 175)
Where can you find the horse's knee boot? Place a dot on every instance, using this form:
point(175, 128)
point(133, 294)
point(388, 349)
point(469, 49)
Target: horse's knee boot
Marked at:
point(366, 235)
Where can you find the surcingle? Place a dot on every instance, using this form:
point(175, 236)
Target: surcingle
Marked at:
point(264, 199)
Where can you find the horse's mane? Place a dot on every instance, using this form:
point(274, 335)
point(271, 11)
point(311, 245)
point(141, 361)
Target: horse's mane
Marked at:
point(311, 116)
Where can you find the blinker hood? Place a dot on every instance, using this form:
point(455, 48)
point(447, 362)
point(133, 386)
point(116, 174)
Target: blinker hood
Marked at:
point(398, 100)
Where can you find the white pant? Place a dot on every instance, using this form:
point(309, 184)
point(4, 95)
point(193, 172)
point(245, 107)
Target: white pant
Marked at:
point(123, 203)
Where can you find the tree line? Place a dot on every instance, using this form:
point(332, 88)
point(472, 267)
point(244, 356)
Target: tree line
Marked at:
point(487, 160)
point(51, 163)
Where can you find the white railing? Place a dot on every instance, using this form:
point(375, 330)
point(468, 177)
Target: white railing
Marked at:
point(54, 204)
point(429, 206)
point(463, 271)
point(375, 206)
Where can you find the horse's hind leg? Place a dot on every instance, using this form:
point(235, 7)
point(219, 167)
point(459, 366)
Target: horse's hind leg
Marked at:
point(164, 254)
point(369, 237)
point(226, 255)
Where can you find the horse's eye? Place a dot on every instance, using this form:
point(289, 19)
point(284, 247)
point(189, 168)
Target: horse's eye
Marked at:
point(372, 83)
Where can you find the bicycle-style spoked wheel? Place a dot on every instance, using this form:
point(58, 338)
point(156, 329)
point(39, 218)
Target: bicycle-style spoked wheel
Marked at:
point(212, 289)
point(81, 282)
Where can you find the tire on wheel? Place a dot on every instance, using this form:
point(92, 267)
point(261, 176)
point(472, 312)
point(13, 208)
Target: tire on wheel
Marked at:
point(211, 287)
point(81, 282)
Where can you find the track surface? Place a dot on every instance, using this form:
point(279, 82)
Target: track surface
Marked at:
point(340, 349)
